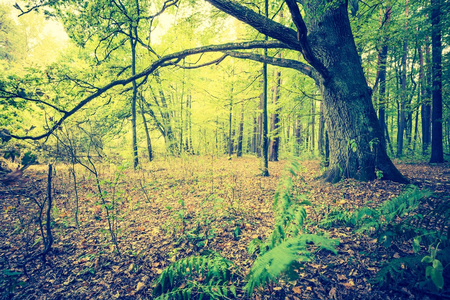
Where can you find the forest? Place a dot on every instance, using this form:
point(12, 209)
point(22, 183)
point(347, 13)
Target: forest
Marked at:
point(225, 149)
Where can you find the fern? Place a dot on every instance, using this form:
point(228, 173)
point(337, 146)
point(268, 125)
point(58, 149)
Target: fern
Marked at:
point(286, 247)
point(384, 220)
point(207, 276)
point(290, 215)
point(395, 269)
point(282, 258)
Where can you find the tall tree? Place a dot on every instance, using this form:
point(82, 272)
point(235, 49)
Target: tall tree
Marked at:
point(265, 121)
point(403, 94)
point(437, 151)
point(382, 65)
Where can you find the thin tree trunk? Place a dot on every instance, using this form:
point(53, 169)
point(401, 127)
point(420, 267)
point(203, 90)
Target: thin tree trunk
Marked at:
point(321, 139)
point(425, 107)
point(437, 150)
point(133, 41)
point(147, 132)
point(275, 143)
point(230, 125)
point(403, 93)
point(382, 63)
point(313, 125)
point(241, 132)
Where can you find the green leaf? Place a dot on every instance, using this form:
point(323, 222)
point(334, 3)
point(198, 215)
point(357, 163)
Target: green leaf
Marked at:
point(233, 290)
point(437, 277)
point(427, 259)
point(416, 244)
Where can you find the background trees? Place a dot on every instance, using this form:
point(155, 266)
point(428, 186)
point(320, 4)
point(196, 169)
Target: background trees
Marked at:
point(216, 109)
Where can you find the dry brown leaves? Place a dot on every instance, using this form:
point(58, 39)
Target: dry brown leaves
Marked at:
point(179, 207)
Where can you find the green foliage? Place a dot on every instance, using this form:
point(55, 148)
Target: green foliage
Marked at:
point(287, 246)
point(284, 258)
point(200, 277)
point(394, 219)
point(384, 220)
point(396, 268)
point(9, 281)
point(290, 215)
point(434, 269)
point(398, 219)
point(28, 159)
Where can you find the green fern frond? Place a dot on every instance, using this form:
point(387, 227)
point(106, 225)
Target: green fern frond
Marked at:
point(187, 276)
point(269, 266)
point(394, 269)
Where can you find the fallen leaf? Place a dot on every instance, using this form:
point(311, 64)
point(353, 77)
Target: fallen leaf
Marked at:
point(332, 294)
point(341, 277)
point(140, 286)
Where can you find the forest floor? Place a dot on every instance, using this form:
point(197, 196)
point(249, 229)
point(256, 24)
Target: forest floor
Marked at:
point(180, 207)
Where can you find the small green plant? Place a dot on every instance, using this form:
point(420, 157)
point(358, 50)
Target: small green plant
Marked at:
point(9, 281)
point(379, 174)
point(208, 276)
point(434, 269)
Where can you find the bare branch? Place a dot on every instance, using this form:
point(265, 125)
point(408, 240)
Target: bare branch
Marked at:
point(12, 95)
point(280, 62)
point(163, 61)
point(23, 12)
point(213, 62)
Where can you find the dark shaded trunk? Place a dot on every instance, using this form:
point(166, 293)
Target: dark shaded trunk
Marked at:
point(437, 150)
point(265, 121)
point(275, 143)
point(241, 133)
point(355, 134)
point(382, 60)
point(425, 100)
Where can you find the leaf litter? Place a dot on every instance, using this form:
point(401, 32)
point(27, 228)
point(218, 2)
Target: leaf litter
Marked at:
point(179, 207)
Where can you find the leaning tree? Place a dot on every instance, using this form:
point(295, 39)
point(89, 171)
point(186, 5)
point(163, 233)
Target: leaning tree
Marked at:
point(324, 38)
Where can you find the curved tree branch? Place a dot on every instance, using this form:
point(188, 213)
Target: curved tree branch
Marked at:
point(275, 30)
point(264, 25)
point(302, 35)
point(280, 62)
point(162, 62)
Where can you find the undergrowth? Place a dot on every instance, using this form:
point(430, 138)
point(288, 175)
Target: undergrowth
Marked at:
point(209, 276)
point(408, 218)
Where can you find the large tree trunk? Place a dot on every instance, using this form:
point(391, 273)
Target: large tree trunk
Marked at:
point(355, 135)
